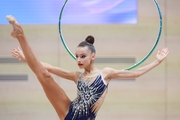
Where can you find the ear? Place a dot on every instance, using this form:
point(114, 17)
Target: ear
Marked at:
point(93, 56)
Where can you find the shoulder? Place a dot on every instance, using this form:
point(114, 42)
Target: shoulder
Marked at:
point(106, 73)
point(110, 73)
point(107, 70)
point(76, 75)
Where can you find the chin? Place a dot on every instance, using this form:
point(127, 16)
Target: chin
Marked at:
point(81, 67)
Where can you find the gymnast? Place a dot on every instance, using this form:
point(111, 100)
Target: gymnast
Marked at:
point(91, 84)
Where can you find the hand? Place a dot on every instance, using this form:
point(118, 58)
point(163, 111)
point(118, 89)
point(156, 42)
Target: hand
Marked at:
point(17, 53)
point(161, 55)
point(17, 30)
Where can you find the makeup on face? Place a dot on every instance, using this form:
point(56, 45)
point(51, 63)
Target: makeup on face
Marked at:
point(83, 56)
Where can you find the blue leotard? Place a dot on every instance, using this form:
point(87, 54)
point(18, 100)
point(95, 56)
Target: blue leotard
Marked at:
point(87, 94)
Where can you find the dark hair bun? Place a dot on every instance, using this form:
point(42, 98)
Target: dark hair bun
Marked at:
point(90, 39)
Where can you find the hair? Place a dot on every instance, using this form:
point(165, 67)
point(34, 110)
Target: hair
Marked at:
point(89, 41)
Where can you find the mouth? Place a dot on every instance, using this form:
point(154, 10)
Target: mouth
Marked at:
point(79, 64)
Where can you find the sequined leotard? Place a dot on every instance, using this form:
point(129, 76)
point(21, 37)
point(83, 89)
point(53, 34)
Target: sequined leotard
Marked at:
point(87, 94)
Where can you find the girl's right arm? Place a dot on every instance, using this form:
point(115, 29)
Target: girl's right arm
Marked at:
point(70, 75)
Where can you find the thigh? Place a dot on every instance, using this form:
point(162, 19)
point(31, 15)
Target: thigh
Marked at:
point(56, 96)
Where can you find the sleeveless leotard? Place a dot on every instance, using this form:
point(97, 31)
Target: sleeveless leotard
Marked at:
point(87, 95)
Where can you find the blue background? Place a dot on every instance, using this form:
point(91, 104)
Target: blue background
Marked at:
point(75, 12)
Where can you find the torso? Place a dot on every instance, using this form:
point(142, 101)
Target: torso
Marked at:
point(91, 93)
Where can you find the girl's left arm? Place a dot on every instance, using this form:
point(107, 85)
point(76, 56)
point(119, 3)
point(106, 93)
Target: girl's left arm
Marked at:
point(118, 74)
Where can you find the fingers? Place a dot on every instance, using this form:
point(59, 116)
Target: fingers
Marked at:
point(162, 54)
point(18, 48)
point(165, 51)
point(15, 53)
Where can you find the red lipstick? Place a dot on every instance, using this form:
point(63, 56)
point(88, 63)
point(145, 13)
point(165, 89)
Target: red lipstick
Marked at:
point(79, 64)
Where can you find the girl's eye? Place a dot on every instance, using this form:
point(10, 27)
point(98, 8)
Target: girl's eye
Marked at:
point(83, 56)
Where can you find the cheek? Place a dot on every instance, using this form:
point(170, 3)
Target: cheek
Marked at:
point(86, 61)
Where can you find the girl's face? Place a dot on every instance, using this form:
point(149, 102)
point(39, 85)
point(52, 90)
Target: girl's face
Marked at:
point(84, 57)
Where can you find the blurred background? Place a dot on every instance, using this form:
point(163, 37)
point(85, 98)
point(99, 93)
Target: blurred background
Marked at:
point(124, 31)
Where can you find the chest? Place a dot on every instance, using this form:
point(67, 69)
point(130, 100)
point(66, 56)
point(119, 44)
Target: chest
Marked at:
point(88, 90)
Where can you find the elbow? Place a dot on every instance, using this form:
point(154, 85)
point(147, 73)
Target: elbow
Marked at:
point(137, 75)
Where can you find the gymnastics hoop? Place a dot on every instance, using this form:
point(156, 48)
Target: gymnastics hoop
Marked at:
point(131, 67)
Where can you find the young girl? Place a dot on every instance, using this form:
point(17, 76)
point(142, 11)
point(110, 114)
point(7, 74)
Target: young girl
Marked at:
point(91, 84)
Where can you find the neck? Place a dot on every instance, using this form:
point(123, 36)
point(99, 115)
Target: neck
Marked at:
point(90, 69)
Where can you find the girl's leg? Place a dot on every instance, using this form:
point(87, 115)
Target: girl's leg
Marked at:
point(54, 93)
point(56, 96)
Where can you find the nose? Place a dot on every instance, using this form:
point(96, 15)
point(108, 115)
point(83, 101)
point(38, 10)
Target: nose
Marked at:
point(78, 59)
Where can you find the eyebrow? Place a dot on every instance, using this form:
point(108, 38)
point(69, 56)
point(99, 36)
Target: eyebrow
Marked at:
point(80, 54)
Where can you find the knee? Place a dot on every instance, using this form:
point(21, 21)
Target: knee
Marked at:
point(44, 75)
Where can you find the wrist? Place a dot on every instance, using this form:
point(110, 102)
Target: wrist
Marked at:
point(158, 61)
